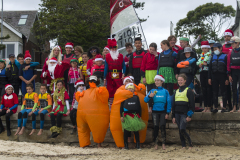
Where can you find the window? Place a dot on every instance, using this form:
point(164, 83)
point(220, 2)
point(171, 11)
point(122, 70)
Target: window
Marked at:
point(8, 50)
point(23, 20)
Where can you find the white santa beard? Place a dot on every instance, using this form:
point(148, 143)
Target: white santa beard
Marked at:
point(51, 68)
point(114, 54)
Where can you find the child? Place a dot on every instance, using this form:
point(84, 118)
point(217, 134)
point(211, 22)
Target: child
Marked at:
point(183, 109)
point(129, 49)
point(60, 107)
point(79, 85)
point(130, 112)
point(149, 68)
point(160, 110)
point(27, 76)
point(3, 77)
point(92, 52)
point(135, 60)
point(203, 63)
point(166, 66)
point(98, 69)
point(187, 66)
point(8, 107)
point(28, 109)
point(45, 105)
point(217, 76)
point(83, 67)
point(73, 76)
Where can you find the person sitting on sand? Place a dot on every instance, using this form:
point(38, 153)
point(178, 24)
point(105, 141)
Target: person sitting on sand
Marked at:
point(160, 110)
point(183, 109)
point(29, 108)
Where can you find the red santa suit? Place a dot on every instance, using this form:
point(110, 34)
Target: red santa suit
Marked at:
point(58, 73)
point(8, 101)
point(114, 68)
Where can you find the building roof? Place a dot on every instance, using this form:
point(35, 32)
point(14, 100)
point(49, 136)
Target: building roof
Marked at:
point(11, 28)
point(12, 18)
point(237, 18)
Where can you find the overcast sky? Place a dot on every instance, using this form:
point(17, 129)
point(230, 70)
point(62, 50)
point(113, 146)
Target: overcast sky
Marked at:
point(160, 12)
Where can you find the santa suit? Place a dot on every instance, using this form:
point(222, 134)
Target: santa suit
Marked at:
point(58, 74)
point(113, 73)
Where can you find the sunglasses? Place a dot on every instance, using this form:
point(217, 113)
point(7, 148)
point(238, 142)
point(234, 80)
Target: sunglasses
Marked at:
point(113, 47)
point(93, 51)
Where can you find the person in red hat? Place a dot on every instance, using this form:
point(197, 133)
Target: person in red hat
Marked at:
point(98, 69)
point(8, 107)
point(114, 69)
point(27, 76)
point(55, 72)
point(57, 53)
point(92, 53)
point(67, 58)
point(79, 86)
point(228, 34)
point(106, 50)
point(203, 63)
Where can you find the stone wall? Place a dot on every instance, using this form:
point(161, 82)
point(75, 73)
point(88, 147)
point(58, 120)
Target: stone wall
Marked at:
point(204, 129)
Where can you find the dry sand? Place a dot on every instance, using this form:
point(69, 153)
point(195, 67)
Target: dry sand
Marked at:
point(10, 150)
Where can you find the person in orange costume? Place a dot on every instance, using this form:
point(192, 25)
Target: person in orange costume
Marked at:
point(92, 113)
point(115, 123)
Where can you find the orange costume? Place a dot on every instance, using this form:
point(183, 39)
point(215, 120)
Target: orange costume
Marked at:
point(115, 123)
point(92, 114)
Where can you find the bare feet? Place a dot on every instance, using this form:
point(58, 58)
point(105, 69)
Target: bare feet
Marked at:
point(22, 130)
point(18, 130)
point(40, 132)
point(190, 148)
point(163, 146)
point(233, 110)
point(156, 147)
point(208, 110)
point(33, 130)
point(183, 148)
point(205, 109)
point(99, 145)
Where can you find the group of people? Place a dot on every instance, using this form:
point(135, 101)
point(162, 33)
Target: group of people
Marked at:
point(96, 88)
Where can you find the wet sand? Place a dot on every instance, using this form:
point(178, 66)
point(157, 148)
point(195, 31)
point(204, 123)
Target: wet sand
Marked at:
point(10, 150)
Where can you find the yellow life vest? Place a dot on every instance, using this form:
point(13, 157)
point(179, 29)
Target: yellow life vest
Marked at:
point(84, 70)
point(181, 96)
point(43, 96)
point(30, 96)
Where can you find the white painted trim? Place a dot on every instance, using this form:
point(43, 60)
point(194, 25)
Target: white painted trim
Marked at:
point(16, 47)
point(12, 29)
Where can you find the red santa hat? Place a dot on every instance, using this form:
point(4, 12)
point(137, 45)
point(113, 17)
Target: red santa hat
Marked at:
point(59, 47)
point(69, 44)
point(132, 78)
point(107, 48)
point(8, 86)
point(53, 59)
point(112, 43)
point(205, 44)
point(27, 55)
point(127, 78)
point(159, 77)
point(98, 58)
point(78, 82)
point(228, 32)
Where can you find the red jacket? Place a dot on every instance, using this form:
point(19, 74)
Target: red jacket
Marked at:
point(90, 63)
point(226, 50)
point(9, 101)
point(149, 62)
point(229, 61)
point(177, 48)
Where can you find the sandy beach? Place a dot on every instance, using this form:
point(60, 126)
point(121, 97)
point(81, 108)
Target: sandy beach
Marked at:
point(10, 150)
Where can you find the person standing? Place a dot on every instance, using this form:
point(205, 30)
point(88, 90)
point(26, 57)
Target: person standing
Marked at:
point(217, 76)
point(78, 50)
point(129, 49)
point(135, 60)
point(233, 67)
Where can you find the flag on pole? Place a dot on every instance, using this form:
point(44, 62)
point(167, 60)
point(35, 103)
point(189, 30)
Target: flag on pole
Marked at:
point(125, 24)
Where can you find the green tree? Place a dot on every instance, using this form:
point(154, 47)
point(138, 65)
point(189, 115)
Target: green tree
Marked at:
point(139, 5)
point(85, 22)
point(206, 20)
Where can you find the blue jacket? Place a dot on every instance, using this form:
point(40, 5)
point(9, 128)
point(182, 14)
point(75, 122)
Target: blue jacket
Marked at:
point(160, 99)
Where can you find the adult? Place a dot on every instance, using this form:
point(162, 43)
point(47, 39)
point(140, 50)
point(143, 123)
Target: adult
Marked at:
point(78, 50)
point(55, 72)
point(92, 52)
point(172, 41)
point(57, 53)
point(67, 58)
point(114, 69)
point(233, 67)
